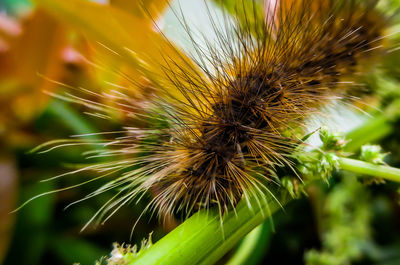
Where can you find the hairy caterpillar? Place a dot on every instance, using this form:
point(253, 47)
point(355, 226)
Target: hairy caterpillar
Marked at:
point(237, 118)
point(277, 74)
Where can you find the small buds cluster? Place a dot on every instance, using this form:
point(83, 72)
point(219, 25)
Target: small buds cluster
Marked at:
point(321, 163)
point(372, 154)
point(331, 141)
point(121, 253)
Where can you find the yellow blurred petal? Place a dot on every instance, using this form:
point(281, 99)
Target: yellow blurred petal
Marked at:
point(39, 51)
point(278, 11)
point(128, 36)
point(148, 9)
point(36, 50)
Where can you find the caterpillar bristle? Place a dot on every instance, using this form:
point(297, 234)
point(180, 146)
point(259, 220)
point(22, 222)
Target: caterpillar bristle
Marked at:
point(267, 85)
point(237, 117)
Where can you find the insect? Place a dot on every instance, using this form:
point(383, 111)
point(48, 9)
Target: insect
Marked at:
point(235, 120)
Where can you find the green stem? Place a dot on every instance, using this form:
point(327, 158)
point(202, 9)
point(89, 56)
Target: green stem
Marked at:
point(204, 239)
point(378, 127)
point(364, 168)
point(372, 131)
point(252, 248)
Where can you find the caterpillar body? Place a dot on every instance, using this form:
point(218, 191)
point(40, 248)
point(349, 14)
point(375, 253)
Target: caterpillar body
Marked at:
point(277, 74)
point(240, 121)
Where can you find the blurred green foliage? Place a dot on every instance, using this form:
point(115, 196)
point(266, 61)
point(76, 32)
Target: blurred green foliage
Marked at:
point(344, 224)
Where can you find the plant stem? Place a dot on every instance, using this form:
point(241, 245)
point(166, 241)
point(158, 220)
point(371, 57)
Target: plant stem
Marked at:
point(252, 248)
point(378, 127)
point(364, 168)
point(204, 239)
point(373, 130)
